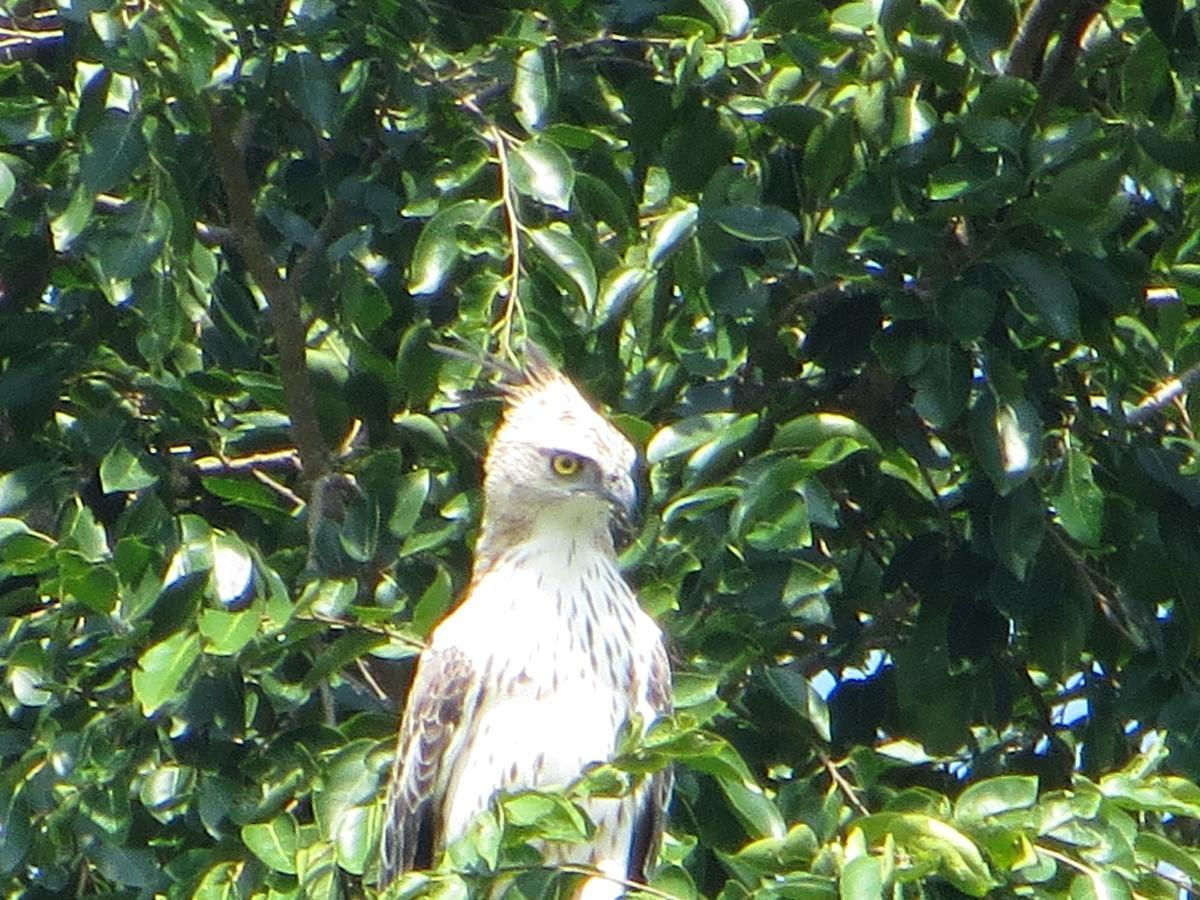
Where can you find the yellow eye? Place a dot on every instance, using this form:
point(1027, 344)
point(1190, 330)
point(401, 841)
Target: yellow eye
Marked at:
point(565, 464)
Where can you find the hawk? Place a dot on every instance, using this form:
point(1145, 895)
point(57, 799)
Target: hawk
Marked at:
point(533, 675)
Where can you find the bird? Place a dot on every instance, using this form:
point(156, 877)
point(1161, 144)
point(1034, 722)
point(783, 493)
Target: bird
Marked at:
point(532, 677)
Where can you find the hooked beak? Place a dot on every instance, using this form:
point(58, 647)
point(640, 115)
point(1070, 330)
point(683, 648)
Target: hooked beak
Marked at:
point(621, 492)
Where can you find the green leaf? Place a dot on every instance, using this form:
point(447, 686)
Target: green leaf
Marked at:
point(411, 490)
point(162, 668)
point(26, 686)
point(1077, 498)
point(317, 871)
point(669, 232)
point(967, 311)
point(731, 16)
point(798, 693)
point(621, 285)
point(551, 817)
point(812, 431)
point(165, 790)
point(828, 154)
point(543, 171)
point(311, 87)
point(273, 842)
point(247, 493)
point(433, 603)
point(793, 122)
point(232, 573)
point(1177, 152)
point(994, 796)
point(942, 386)
point(757, 223)
point(772, 514)
point(127, 245)
point(1018, 523)
point(1143, 74)
point(929, 840)
point(1154, 848)
point(437, 247)
point(225, 633)
point(758, 815)
point(122, 470)
point(912, 121)
point(531, 93)
point(96, 588)
point(902, 348)
point(1007, 437)
point(1100, 886)
point(1043, 293)
point(114, 148)
point(8, 184)
point(570, 258)
point(861, 879)
point(686, 435)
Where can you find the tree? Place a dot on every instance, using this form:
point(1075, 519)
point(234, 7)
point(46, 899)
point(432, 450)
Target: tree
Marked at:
point(896, 297)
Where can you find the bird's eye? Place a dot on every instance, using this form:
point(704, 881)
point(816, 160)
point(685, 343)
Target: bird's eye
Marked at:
point(565, 464)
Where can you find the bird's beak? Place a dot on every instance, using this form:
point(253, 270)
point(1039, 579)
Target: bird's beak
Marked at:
point(621, 492)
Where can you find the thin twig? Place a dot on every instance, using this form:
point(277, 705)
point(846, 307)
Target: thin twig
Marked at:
point(214, 235)
point(513, 307)
point(391, 634)
point(278, 487)
point(349, 439)
point(269, 458)
point(589, 872)
point(843, 783)
point(1108, 608)
point(1164, 395)
point(365, 671)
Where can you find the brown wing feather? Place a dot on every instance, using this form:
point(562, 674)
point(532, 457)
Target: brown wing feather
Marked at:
point(651, 819)
point(411, 828)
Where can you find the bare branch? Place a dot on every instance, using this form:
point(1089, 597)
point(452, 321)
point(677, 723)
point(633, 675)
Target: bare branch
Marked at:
point(843, 783)
point(1029, 46)
point(1164, 395)
point(1062, 58)
point(283, 303)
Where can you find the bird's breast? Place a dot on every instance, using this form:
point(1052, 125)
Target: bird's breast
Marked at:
point(561, 669)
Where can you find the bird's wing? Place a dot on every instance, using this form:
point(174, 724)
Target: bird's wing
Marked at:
point(441, 689)
point(651, 819)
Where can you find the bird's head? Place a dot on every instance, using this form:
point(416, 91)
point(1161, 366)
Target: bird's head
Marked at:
point(555, 462)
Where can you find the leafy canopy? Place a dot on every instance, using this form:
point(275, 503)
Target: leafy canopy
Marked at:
point(897, 297)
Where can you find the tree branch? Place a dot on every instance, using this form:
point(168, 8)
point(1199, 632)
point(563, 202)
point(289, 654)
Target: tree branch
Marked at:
point(325, 231)
point(283, 303)
point(1065, 53)
point(1164, 395)
point(1029, 46)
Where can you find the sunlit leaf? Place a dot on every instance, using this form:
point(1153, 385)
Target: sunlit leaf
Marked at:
point(162, 668)
point(757, 223)
point(570, 258)
point(115, 148)
point(1077, 499)
point(123, 470)
point(437, 248)
point(731, 16)
point(543, 171)
point(273, 842)
point(669, 232)
point(531, 94)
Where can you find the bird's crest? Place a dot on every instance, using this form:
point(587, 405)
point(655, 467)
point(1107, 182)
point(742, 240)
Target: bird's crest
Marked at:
point(543, 406)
